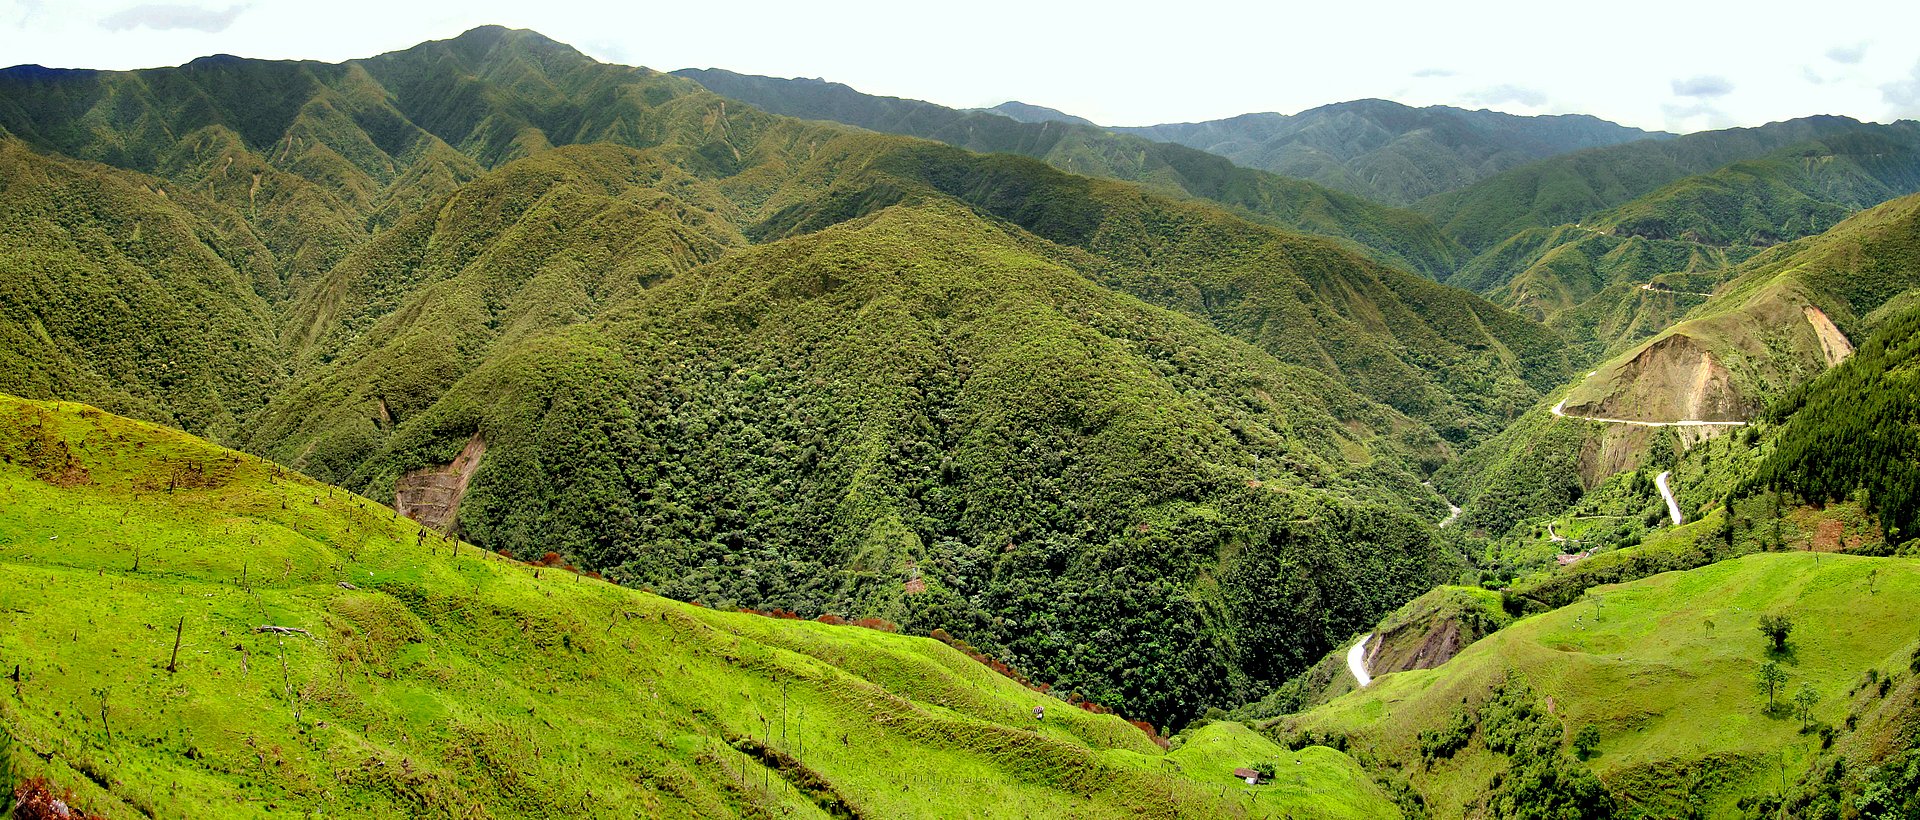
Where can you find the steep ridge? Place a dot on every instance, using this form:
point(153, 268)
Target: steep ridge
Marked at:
point(1780, 321)
point(1855, 428)
point(1391, 152)
point(423, 677)
point(1391, 235)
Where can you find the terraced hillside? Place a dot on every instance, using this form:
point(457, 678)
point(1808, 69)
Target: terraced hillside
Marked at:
point(416, 675)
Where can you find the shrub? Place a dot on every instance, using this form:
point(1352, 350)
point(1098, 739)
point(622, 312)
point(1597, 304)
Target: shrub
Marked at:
point(1587, 742)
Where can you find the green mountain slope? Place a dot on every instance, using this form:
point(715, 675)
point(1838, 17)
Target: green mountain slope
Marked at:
point(426, 677)
point(1786, 316)
point(1391, 235)
point(732, 435)
point(1569, 189)
point(1856, 429)
point(1390, 152)
point(117, 293)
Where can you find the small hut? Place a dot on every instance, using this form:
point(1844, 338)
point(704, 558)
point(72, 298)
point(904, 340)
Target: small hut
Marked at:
point(1252, 777)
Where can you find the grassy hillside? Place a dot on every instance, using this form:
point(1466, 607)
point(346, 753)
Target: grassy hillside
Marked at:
point(1427, 632)
point(1787, 316)
point(1391, 235)
point(1664, 670)
point(433, 678)
point(1391, 152)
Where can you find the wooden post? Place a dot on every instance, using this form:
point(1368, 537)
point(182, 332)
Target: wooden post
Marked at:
point(173, 660)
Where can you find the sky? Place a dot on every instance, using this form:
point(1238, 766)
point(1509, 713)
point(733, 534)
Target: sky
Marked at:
point(1671, 65)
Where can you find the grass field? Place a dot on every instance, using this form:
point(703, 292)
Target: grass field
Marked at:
point(436, 680)
point(1666, 669)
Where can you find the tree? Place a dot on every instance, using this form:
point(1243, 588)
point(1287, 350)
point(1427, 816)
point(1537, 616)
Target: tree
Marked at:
point(1587, 741)
point(1803, 702)
point(1770, 680)
point(1776, 627)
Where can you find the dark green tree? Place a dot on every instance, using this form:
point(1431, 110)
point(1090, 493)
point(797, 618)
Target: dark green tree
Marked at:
point(1776, 627)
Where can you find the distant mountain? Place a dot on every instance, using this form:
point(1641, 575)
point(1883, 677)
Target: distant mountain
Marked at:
point(1683, 239)
point(1568, 189)
point(1391, 152)
point(1025, 112)
point(1392, 235)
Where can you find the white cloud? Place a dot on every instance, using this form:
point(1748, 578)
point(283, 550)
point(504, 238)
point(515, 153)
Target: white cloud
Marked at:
point(1426, 73)
point(28, 8)
point(1507, 93)
point(170, 17)
point(1705, 85)
point(1848, 55)
point(1904, 95)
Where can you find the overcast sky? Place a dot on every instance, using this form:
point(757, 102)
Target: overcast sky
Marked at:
point(1669, 64)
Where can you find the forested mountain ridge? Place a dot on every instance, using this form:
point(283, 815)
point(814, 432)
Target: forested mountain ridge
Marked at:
point(147, 304)
point(1392, 235)
point(1390, 152)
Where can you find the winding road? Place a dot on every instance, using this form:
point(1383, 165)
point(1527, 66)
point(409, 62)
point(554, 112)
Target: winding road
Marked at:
point(1357, 661)
point(1561, 411)
point(1666, 492)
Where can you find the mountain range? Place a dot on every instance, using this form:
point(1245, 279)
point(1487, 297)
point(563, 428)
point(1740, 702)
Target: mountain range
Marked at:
point(474, 386)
